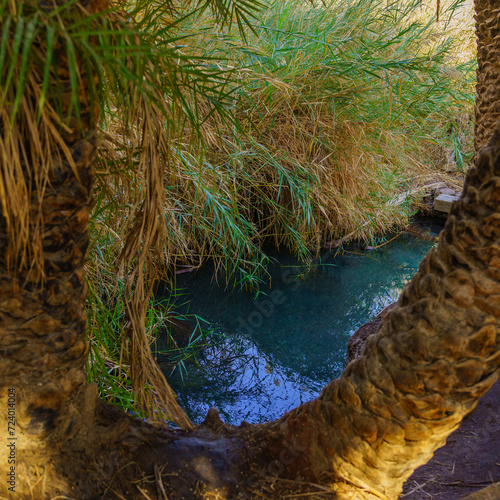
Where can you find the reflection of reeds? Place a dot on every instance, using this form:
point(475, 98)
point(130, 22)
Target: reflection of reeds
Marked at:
point(330, 112)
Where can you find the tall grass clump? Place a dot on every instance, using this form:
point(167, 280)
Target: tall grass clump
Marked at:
point(323, 122)
point(364, 96)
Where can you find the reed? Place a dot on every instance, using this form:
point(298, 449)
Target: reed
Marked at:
point(322, 123)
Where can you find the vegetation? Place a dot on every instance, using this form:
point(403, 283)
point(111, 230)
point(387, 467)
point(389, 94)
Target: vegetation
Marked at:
point(322, 123)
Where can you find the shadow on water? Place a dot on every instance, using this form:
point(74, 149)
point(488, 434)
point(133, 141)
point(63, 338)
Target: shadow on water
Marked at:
point(275, 352)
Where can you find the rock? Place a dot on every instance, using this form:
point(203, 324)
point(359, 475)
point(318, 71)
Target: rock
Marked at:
point(212, 420)
point(443, 202)
point(446, 190)
point(358, 339)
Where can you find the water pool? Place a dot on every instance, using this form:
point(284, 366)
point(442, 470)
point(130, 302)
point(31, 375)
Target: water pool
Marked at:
point(277, 351)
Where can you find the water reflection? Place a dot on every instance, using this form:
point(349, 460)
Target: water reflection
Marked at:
point(273, 353)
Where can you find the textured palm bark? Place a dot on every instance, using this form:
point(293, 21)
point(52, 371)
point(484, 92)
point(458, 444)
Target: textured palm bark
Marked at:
point(487, 110)
point(42, 314)
point(357, 342)
point(435, 354)
point(43, 321)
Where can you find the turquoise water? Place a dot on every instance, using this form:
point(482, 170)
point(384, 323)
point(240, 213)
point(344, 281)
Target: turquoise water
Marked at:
point(277, 351)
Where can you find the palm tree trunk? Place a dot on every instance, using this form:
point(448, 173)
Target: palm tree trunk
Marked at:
point(487, 110)
point(43, 322)
point(44, 398)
